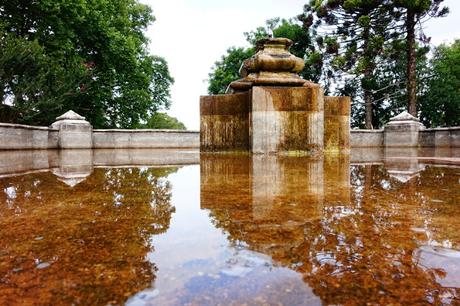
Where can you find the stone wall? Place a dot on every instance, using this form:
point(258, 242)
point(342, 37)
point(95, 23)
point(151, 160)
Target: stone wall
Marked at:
point(366, 138)
point(24, 137)
point(437, 137)
point(440, 137)
point(72, 136)
point(145, 139)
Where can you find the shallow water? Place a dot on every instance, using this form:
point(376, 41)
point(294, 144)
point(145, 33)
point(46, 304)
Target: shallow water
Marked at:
point(233, 230)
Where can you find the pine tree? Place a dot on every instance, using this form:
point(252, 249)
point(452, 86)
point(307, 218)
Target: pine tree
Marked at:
point(413, 13)
point(355, 33)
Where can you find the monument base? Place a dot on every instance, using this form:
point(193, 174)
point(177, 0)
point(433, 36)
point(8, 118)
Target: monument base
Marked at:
point(274, 120)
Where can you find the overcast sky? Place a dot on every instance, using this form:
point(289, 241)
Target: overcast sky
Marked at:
point(193, 34)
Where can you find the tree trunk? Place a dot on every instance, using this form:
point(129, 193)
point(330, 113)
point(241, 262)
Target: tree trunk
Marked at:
point(368, 105)
point(411, 67)
point(367, 75)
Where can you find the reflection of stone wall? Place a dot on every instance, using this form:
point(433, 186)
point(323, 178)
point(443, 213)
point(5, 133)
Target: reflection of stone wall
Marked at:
point(74, 166)
point(337, 178)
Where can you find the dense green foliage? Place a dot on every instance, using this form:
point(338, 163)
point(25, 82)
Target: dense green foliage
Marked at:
point(226, 70)
point(85, 55)
point(162, 121)
point(440, 105)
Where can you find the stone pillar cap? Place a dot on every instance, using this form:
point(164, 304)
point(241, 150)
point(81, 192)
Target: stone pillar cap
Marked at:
point(404, 116)
point(70, 115)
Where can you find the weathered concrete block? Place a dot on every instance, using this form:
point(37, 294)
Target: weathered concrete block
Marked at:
point(366, 138)
point(442, 137)
point(337, 124)
point(402, 131)
point(74, 131)
point(426, 138)
point(224, 122)
point(287, 119)
point(455, 137)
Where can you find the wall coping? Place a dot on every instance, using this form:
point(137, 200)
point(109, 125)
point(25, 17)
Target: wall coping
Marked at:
point(27, 127)
point(143, 131)
point(453, 128)
point(366, 131)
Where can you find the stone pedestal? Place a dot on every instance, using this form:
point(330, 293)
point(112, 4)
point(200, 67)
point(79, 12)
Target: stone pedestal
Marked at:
point(287, 120)
point(402, 131)
point(74, 131)
point(337, 124)
point(272, 110)
point(224, 122)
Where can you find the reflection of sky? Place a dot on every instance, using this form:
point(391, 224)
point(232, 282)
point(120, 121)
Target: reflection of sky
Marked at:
point(195, 260)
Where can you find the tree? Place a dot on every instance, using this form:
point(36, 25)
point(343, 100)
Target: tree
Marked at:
point(390, 93)
point(355, 33)
point(86, 55)
point(226, 70)
point(440, 105)
point(413, 13)
point(163, 121)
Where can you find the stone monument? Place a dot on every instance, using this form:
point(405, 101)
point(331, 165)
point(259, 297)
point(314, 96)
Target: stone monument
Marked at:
point(271, 109)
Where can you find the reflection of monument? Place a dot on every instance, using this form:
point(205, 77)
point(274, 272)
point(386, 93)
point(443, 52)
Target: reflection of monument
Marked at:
point(350, 237)
point(271, 201)
point(74, 166)
point(402, 163)
point(272, 110)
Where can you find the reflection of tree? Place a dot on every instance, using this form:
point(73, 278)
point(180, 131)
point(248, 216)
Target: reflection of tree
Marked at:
point(86, 244)
point(350, 252)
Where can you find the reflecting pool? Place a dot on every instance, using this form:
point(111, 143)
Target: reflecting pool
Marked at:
point(154, 228)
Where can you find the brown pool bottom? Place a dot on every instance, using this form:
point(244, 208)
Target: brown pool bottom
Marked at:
point(234, 230)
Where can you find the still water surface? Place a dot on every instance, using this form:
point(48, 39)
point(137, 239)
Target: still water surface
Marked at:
point(234, 230)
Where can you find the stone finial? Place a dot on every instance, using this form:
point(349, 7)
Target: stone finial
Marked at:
point(272, 65)
point(70, 115)
point(404, 116)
